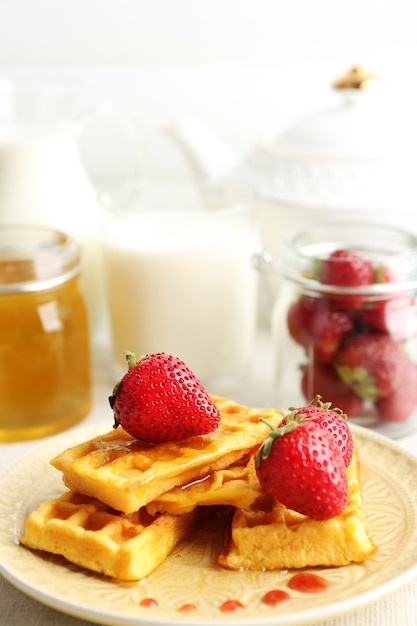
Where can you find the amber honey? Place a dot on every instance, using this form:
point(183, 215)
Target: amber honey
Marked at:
point(45, 383)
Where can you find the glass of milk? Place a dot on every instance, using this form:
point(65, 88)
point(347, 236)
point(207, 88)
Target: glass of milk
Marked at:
point(183, 282)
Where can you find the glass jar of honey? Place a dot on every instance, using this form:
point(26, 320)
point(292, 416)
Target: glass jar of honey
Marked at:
point(45, 378)
point(345, 323)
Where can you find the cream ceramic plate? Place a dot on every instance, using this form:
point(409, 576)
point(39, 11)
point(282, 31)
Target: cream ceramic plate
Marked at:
point(191, 573)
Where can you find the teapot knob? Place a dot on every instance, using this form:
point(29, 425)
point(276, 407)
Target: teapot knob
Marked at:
point(358, 78)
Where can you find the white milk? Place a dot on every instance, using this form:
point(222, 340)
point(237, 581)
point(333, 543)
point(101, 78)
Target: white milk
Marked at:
point(184, 283)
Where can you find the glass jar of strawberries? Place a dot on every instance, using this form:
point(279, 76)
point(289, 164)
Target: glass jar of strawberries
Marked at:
point(345, 322)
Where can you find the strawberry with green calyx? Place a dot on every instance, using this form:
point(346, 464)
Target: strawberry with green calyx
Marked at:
point(333, 420)
point(318, 407)
point(160, 399)
point(302, 467)
point(318, 378)
point(371, 363)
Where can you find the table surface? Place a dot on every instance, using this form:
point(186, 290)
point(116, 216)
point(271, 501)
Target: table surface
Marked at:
point(400, 607)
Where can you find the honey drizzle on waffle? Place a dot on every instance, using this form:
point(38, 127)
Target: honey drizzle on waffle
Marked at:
point(127, 474)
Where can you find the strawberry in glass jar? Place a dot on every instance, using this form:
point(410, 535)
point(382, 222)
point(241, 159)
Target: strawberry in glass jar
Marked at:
point(345, 322)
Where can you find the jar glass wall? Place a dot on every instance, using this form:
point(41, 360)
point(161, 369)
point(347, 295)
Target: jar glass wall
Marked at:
point(345, 323)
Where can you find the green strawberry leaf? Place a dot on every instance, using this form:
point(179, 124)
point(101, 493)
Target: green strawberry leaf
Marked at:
point(317, 401)
point(357, 377)
point(291, 424)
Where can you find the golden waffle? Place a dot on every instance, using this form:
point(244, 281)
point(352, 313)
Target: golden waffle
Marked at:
point(127, 474)
point(91, 535)
point(236, 485)
point(268, 536)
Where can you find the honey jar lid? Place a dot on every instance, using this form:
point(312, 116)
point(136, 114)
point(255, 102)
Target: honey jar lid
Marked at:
point(34, 258)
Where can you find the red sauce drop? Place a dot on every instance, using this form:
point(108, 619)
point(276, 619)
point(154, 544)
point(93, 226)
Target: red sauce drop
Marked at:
point(187, 608)
point(231, 605)
point(275, 596)
point(308, 583)
point(149, 603)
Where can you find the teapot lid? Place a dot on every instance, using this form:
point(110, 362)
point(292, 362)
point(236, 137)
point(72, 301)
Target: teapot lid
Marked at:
point(356, 128)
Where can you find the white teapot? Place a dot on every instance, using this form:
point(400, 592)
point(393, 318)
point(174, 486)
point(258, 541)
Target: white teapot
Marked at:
point(355, 155)
point(352, 160)
point(332, 157)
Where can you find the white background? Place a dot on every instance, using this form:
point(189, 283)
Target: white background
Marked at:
point(246, 67)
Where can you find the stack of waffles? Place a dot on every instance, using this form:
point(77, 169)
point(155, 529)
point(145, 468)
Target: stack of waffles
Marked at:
point(128, 504)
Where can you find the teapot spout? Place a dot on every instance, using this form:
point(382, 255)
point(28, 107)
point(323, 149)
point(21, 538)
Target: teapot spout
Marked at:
point(211, 159)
